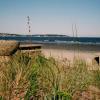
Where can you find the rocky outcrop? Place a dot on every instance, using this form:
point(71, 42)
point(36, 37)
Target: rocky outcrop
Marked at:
point(8, 47)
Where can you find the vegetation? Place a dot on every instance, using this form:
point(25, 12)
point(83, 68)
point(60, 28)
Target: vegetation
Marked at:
point(41, 78)
point(97, 78)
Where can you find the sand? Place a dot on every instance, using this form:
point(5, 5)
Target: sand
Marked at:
point(62, 51)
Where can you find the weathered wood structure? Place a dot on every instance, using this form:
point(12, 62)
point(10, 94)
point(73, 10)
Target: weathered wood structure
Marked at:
point(9, 47)
point(30, 48)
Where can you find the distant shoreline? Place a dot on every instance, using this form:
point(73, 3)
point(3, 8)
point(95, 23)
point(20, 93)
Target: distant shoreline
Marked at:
point(50, 38)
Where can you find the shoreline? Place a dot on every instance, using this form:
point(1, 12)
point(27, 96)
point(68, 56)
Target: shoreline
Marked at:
point(77, 47)
point(67, 46)
point(70, 52)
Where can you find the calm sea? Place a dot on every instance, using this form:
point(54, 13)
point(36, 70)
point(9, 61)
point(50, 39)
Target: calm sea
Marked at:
point(53, 39)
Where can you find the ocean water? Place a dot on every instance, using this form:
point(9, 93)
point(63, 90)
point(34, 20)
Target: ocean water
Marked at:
point(53, 39)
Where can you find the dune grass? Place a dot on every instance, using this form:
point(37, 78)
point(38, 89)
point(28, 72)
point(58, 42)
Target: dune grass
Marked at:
point(41, 78)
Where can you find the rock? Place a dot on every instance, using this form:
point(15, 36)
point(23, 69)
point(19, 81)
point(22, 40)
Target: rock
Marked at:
point(8, 47)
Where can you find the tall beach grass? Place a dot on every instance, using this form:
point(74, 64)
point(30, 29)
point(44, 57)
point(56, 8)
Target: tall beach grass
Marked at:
point(41, 78)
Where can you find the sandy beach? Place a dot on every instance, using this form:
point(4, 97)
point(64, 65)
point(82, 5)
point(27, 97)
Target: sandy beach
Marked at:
point(69, 51)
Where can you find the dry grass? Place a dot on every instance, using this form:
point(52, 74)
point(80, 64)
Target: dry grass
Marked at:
point(40, 78)
point(14, 77)
point(8, 47)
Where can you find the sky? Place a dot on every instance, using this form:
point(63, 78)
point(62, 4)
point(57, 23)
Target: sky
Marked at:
point(50, 17)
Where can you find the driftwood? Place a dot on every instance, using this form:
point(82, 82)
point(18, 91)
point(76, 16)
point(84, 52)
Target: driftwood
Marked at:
point(8, 47)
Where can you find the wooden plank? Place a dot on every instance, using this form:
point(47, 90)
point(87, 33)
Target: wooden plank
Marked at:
point(30, 47)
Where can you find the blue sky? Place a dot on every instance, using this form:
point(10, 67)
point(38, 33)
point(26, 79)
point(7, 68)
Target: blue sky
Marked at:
point(50, 16)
